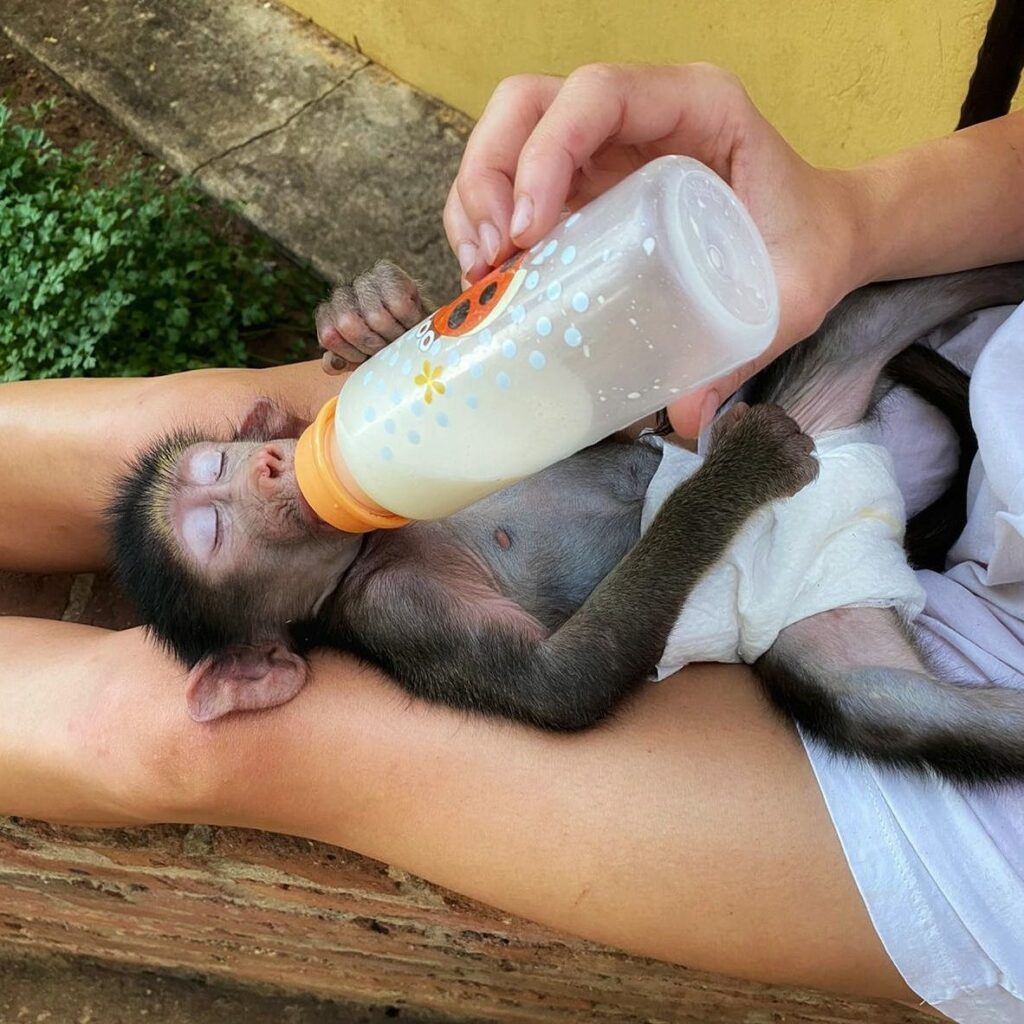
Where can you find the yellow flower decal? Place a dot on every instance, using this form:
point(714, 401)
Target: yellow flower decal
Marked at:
point(429, 382)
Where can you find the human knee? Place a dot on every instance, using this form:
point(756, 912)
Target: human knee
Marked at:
point(150, 759)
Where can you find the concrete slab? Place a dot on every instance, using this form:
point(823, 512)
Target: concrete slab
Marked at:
point(363, 172)
point(328, 154)
point(190, 78)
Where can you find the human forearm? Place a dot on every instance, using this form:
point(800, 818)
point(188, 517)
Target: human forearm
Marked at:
point(66, 440)
point(77, 744)
point(945, 205)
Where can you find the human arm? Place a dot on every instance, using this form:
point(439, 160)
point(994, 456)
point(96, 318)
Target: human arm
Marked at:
point(680, 831)
point(65, 441)
point(545, 142)
point(948, 204)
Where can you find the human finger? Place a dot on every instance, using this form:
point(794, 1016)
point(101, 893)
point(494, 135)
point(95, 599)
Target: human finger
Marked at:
point(462, 238)
point(487, 171)
point(691, 414)
point(627, 114)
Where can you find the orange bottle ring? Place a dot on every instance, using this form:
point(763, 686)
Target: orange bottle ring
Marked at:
point(320, 486)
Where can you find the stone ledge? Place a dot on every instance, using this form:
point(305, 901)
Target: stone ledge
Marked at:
point(91, 600)
point(294, 915)
point(39, 597)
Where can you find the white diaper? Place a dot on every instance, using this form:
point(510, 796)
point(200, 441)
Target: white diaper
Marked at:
point(837, 543)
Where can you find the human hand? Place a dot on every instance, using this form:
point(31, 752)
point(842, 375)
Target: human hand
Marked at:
point(544, 144)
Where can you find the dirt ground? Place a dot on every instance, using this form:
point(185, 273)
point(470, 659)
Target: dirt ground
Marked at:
point(75, 120)
point(53, 991)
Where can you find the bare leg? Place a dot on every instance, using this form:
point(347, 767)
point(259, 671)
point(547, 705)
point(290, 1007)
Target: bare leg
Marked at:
point(690, 829)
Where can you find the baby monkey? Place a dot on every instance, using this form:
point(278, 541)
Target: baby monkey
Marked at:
point(543, 603)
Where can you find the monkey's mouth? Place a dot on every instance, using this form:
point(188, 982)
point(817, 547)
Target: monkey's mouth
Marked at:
point(306, 513)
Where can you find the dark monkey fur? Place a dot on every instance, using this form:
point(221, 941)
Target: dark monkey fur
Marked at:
point(543, 603)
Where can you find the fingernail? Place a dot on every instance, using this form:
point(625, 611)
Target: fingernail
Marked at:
point(708, 410)
point(490, 240)
point(337, 362)
point(522, 215)
point(467, 255)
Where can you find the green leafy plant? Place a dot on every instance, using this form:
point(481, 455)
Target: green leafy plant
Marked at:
point(114, 274)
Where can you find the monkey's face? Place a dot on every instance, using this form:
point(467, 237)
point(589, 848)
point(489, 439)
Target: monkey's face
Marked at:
point(225, 560)
point(239, 521)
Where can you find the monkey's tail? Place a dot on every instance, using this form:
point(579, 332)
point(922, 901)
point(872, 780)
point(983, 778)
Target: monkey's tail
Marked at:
point(934, 530)
point(968, 734)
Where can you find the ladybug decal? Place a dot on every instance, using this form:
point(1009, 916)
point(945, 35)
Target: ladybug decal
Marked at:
point(475, 308)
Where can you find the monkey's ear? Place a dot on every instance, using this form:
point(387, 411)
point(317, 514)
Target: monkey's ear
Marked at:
point(267, 421)
point(247, 677)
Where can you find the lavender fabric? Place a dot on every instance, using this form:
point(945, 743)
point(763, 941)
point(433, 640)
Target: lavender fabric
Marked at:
point(941, 871)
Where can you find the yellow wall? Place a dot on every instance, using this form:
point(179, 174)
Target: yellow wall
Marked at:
point(843, 79)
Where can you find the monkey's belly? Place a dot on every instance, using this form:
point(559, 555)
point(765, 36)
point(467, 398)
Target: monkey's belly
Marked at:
point(550, 539)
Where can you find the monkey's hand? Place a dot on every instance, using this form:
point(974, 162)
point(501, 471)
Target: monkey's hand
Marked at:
point(361, 318)
point(766, 447)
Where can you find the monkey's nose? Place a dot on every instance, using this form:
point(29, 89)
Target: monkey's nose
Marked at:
point(268, 467)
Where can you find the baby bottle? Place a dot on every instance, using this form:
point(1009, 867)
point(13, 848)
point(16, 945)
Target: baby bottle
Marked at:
point(658, 286)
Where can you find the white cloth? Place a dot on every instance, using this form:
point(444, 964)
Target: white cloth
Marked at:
point(836, 543)
point(941, 871)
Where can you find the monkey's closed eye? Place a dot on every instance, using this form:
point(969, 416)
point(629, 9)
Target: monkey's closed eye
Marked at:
point(200, 530)
point(207, 467)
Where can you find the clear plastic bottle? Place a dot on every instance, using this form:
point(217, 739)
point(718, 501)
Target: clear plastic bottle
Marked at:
point(660, 285)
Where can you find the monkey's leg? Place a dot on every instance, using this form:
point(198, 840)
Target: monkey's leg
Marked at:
point(880, 701)
point(831, 379)
point(497, 659)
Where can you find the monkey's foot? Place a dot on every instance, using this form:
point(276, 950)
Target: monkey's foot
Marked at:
point(768, 449)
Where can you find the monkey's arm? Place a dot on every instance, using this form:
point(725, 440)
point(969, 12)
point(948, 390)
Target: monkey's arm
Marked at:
point(447, 648)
